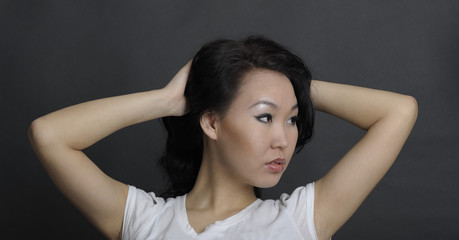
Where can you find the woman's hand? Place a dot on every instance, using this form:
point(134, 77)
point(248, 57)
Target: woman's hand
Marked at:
point(176, 89)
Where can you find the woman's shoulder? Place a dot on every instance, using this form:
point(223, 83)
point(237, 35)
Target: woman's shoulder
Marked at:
point(302, 193)
point(146, 206)
point(296, 208)
point(139, 197)
point(144, 210)
point(301, 200)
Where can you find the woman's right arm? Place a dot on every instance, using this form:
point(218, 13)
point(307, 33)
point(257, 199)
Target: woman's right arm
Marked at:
point(59, 138)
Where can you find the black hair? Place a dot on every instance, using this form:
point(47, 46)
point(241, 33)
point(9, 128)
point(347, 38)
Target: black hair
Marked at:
point(213, 83)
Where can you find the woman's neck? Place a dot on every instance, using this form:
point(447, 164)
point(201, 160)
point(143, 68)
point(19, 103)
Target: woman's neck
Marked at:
point(217, 192)
point(216, 195)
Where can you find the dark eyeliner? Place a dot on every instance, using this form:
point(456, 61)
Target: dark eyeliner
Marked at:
point(268, 117)
point(293, 120)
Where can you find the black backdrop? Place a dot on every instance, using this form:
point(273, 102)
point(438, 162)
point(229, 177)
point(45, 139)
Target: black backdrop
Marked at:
point(58, 53)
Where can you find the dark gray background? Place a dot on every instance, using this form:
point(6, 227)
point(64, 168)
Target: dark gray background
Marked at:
point(58, 53)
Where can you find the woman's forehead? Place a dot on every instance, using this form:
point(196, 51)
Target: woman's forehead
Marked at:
point(266, 85)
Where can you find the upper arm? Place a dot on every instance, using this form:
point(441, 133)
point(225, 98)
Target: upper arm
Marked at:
point(342, 190)
point(100, 198)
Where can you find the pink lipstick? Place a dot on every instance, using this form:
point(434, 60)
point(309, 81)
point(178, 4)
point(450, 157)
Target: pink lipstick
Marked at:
point(276, 165)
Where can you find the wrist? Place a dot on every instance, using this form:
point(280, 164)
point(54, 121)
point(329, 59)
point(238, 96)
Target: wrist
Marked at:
point(170, 104)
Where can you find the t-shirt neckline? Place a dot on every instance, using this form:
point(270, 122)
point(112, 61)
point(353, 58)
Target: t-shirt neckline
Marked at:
point(220, 223)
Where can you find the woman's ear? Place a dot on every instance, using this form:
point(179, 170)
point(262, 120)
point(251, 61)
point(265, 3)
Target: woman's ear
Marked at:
point(208, 124)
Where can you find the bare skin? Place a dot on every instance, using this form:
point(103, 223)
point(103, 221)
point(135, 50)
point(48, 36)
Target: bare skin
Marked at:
point(59, 138)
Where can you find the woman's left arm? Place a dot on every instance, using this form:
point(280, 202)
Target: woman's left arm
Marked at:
point(388, 119)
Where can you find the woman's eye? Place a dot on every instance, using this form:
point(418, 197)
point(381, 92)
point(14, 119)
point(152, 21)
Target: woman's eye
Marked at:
point(293, 120)
point(267, 118)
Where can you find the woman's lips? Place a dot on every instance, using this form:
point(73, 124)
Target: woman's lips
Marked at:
point(276, 165)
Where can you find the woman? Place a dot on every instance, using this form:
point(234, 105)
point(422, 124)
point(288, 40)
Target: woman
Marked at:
point(235, 115)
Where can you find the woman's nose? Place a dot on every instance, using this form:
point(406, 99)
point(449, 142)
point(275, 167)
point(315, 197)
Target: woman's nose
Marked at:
point(280, 139)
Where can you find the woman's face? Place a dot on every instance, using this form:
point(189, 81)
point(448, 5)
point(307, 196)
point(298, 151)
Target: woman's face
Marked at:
point(257, 136)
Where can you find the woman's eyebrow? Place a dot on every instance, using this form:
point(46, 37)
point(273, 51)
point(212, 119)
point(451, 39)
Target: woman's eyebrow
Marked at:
point(271, 104)
point(264, 102)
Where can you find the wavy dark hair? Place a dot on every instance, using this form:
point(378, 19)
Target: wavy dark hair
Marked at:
point(213, 82)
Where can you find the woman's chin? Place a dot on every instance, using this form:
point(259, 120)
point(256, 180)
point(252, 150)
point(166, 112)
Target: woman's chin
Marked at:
point(268, 183)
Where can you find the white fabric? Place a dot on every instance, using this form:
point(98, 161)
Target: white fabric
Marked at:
point(291, 217)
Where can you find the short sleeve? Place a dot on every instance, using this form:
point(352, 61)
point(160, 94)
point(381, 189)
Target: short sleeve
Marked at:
point(300, 206)
point(140, 207)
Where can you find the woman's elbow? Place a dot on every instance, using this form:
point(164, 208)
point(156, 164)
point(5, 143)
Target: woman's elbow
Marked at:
point(408, 108)
point(40, 133)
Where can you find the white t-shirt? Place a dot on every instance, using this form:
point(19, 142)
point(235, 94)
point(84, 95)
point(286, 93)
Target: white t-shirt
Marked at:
point(291, 217)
